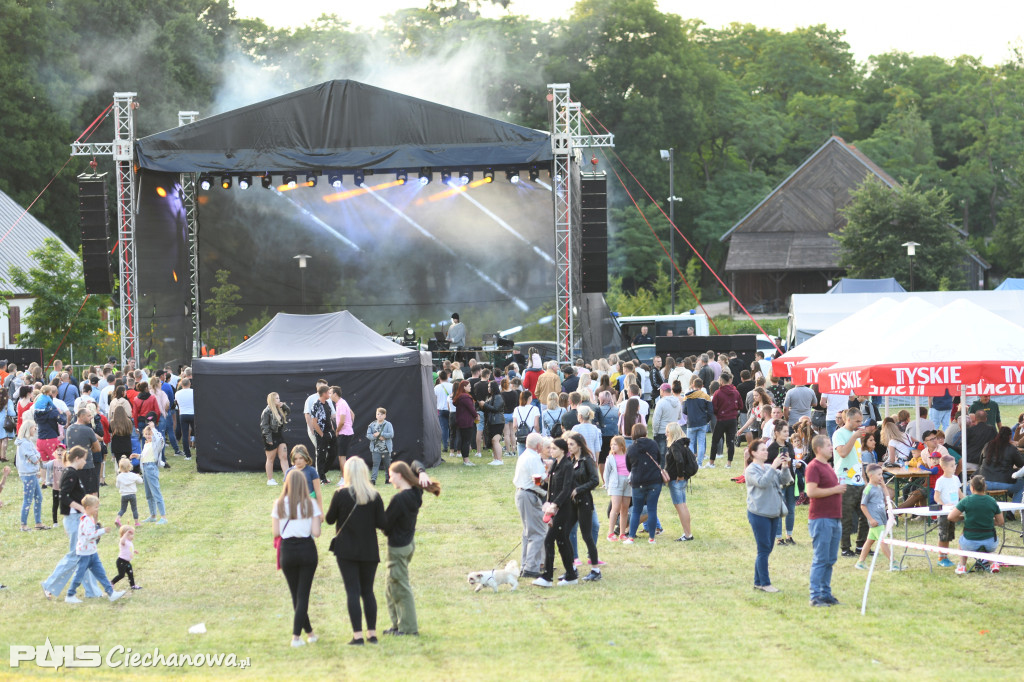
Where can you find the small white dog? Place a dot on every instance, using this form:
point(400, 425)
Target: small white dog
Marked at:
point(508, 575)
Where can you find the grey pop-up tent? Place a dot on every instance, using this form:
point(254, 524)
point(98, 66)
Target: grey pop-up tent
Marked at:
point(287, 356)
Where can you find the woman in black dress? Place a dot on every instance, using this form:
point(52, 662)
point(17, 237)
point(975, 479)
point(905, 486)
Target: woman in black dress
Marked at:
point(358, 511)
point(272, 423)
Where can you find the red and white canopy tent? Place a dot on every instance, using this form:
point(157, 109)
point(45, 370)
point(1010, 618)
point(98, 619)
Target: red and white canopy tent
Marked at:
point(848, 337)
point(960, 347)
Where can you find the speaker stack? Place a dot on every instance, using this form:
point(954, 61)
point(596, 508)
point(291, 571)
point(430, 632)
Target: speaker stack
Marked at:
point(594, 232)
point(93, 221)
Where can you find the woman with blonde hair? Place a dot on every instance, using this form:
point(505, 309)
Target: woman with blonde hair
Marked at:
point(295, 522)
point(677, 449)
point(272, 422)
point(899, 447)
point(401, 516)
point(358, 511)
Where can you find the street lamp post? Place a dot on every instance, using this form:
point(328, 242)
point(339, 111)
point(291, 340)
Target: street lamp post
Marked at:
point(302, 258)
point(670, 156)
point(911, 252)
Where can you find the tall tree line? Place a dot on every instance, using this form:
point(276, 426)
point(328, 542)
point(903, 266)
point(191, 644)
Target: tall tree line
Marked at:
point(741, 105)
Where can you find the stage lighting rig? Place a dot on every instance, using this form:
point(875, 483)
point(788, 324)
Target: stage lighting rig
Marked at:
point(244, 181)
point(446, 177)
point(290, 180)
point(512, 176)
point(311, 179)
point(267, 180)
point(534, 174)
point(488, 176)
point(358, 178)
point(409, 338)
point(402, 176)
point(425, 176)
point(225, 182)
point(334, 179)
point(205, 182)
point(465, 177)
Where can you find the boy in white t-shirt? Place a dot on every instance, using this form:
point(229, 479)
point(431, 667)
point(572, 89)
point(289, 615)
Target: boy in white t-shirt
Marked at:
point(947, 493)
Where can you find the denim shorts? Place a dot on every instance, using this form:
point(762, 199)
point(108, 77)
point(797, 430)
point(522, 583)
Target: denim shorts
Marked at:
point(986, 545)
point(508, 418)
point(480, 425)
point(677, 489)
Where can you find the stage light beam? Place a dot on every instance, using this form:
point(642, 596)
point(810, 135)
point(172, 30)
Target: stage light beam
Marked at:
point(358, 178)
point(161, 192)
point(425, 176)
point(402, 177)
point(310, 179)
point(488, 176)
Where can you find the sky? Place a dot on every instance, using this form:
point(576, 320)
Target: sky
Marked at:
point(983, 28)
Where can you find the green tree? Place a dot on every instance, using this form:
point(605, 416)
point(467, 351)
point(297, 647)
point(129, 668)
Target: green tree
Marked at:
point(60, 309)
point(220, 308)
point(880, 220)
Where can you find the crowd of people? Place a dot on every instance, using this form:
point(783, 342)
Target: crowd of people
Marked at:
point(627, 428)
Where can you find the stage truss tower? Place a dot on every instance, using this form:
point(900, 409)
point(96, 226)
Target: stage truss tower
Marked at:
point(567, 142)
point(122, 150)
point(188, 202)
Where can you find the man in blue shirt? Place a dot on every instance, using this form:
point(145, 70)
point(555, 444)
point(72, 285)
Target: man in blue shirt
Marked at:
point(939, 409)
point(168, 422)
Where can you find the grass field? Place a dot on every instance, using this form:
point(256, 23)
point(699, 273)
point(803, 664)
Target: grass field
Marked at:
point(664, 611)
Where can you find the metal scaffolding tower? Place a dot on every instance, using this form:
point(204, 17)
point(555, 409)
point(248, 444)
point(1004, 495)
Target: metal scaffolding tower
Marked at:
point(567, 139)
point(188, 201)
point(122, 151)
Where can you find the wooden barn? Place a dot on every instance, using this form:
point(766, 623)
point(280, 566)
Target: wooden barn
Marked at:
point(783, 245)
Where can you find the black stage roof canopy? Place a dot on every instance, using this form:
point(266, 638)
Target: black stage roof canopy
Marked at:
point(341, 125)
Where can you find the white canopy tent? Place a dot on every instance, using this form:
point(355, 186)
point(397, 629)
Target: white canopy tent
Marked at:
point(984, 356)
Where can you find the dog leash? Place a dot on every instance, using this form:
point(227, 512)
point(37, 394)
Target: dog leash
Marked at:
point(501, 561)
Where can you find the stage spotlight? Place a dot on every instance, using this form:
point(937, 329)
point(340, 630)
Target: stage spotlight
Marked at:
point(402, 176)
point(205, 182)
point(465, 177)
point(446, 177)
point(290, 180)
point(488, 176)
point(244, 181)
point(512, 176)
point(425, 176)
point(267, 180)
point(335, 180)
point(534, 174)
point(225, 182)
point(358, 178)
point(311, 179)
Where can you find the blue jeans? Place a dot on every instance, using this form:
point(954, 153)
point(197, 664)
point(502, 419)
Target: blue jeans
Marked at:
point(151, 479)
point(662, 440)
point(575, 528)
point(765, 530)
point(442, 418)
point(1016, 488)
point(167, 428)
point(698, 441)
point(789, 493)
point(90, 563)
point(939, 417)
point(32, 493)
point(645, 495)
point(831, 427)
point(69, 563)
point(825, 535)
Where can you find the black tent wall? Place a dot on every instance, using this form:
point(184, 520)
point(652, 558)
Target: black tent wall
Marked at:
point(228, 408)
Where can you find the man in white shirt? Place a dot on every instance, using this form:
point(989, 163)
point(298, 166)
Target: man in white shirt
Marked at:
point(183, 397)
point(916, 428)
point(529, 501)
point(307, 410)
point(104, 400)
point(443, 394)
point(834, 403)
point(86, 397)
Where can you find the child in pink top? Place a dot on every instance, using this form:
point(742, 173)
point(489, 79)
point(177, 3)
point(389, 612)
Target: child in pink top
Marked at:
point(124, 557)
point(88, 557)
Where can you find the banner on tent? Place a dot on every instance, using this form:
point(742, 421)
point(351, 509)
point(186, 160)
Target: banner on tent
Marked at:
point(981, 378)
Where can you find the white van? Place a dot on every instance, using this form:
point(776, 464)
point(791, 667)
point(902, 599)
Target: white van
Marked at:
point(660, 325)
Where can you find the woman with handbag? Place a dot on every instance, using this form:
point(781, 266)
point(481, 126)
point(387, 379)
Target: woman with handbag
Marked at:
point(557, 514)
point(765, 506)
point(272, 423)
point(9, 417)
point(295, 522)
point(358, 511)
point(647, 475)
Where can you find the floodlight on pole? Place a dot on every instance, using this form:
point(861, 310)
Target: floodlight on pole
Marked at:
point(911, 252)
point(302, 258)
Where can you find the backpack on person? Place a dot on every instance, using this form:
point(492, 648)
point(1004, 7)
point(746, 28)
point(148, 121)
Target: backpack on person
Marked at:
point(524, 428)
point(555, 430)
point(686, 461)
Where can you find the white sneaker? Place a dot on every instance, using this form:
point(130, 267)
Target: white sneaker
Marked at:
point(72, 599)
point(469, 464)
point(271, 482)
point(564, 582)
point(541, 582)
point(728, 465)
point(478, 454)
point(298, 642)
point(496, 463)
point(114, 596)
